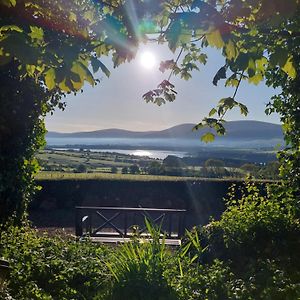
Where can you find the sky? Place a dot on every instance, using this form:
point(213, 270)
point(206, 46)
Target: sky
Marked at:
point(116, 102)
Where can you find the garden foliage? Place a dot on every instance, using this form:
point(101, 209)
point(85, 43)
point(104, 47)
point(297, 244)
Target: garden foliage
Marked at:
point(252, 252)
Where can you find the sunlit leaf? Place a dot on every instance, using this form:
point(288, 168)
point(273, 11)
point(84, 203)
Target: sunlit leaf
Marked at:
point(230, 50)
point(212, 112)
point(243, 108)
point(289, 68)
point(84, 73)
point(77, 85)
point(208, 137)
point(256, 79)
point(261, 64)
point(50, 78)
point(36, 33)
point(214, 39)
point(72, 17)
point(63, 86)
point(89, 15)
point(10, 28)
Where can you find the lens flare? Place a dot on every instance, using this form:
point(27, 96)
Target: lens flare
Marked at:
point(147, 60)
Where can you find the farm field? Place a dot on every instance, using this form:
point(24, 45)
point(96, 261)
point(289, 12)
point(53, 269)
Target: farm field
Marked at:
point(48, 175)
point(85, 164)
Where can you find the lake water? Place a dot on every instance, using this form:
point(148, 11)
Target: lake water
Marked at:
point(137, 147)
point(160, 154)
point(154, 148)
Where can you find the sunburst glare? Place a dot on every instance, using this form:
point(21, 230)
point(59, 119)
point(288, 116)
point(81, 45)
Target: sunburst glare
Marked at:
point(148, 60)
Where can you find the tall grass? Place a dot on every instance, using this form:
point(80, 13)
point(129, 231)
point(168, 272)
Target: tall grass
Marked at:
point(138, 269)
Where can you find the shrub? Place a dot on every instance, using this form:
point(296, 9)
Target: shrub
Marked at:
point(81, 169)
point(257, 240)
point(114, 170)
point(46, 267)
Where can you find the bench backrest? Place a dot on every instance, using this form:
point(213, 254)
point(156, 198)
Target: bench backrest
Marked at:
point(127, 221)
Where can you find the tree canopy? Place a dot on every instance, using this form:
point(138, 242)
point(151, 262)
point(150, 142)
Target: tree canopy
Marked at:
point(57, 41)
point(59, 45)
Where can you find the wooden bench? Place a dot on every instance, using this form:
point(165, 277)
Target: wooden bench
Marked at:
point(120, 224)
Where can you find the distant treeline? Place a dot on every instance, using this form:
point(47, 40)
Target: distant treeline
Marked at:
point(231, 158)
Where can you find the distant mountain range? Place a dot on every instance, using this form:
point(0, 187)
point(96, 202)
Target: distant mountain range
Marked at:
point(236, 130)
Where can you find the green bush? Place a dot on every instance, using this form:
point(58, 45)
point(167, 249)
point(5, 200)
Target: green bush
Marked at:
point(252, 252)
point(256, 226)
point(257, 241)
point(46, 267)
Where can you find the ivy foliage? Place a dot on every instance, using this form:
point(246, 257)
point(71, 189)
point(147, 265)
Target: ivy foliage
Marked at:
point(23, 105)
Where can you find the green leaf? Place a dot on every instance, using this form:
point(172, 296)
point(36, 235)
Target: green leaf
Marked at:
point(30, 69)
point(208, 137)
point(279, 57)
point(228, 102)
point(221, 74)
point(230, 50)
point(185, 75)
point(159, 101)
point(256, 79)
point(104, 69)
point(72, 17)
point(75, 77)
point(89, 15)
point(242, 61)
point(261, 64)
point(202, 58)
point(102, 49)
point(214, 39)
point(36, 33)
point(77, 85)
point(198, 126)
point(64, 86)
point(10, 28)
point(251, 67)
point(8, 3)
point(17, 45)
point(50, 78)
point(96, 64)
point(83, 72)
point(118, 59)
point(243, 109)
point(212, 112)
point(289, 68)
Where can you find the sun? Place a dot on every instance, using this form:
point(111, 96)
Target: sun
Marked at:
point(148, 60)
